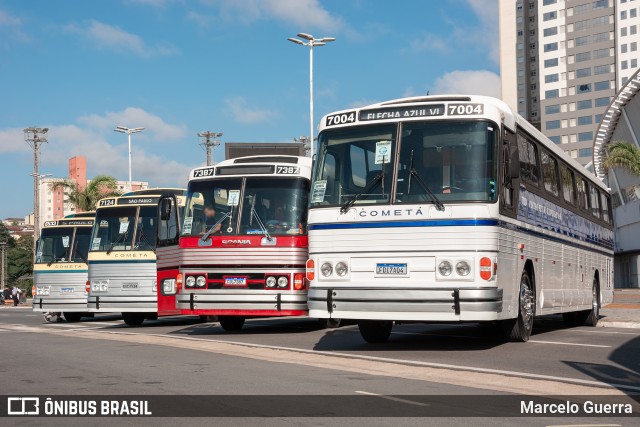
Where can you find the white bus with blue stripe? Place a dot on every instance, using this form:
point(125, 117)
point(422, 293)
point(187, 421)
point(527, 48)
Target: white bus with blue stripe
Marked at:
point(453, 209)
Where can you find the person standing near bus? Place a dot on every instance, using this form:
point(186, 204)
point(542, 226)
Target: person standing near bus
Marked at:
point(15, 294)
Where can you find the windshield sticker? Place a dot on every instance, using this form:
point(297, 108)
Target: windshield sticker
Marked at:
point(188, 223)
point(383, 152)
point(254, 231)
point(65, 241)
point(124, 226)
point(95, 245)
point(234, 198)
point(319, 188)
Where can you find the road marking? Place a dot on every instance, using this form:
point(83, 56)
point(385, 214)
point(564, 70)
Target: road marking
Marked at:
point(395, 399)
point(485, 338)
point(570, 343)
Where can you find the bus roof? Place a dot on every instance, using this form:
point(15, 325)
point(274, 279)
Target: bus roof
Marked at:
point(263, 165)
point(509, 118)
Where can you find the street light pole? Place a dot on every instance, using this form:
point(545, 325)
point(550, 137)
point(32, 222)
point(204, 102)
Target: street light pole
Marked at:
point(128, 131)
point(3, 246)
point(311, 42)
point(35, 137)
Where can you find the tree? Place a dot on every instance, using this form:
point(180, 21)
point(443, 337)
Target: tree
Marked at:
point(623, 155)
point(20, 263)
point(85, 200)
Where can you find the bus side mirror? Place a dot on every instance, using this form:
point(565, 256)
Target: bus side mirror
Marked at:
point(514, 165)
point(165, 209)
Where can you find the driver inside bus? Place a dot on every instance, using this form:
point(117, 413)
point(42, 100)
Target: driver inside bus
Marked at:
point(210, 220)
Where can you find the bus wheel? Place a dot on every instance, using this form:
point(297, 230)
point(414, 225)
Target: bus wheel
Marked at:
point(519, 329)
point(375, 331)
point(593, 315)
point(231, 323)
point(329, 323)
point(133, 319)
point(72, 317)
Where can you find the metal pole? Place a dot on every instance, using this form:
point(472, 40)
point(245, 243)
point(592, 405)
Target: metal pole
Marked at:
point(130, 183)
point(208, 148)
point(2, 247)
point(311, 138)
point(36, 197)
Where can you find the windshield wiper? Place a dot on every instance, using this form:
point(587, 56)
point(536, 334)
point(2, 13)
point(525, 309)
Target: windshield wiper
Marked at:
point(370, 186)
point(414, 173)
point(117, 241)
point(143, 236)
point(206, 235)
point(261, 224)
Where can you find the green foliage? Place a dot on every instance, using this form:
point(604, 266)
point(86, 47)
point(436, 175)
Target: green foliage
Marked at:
point(623, 155)
point(86, 200)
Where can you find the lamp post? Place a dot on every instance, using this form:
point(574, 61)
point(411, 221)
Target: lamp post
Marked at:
point(128, 131)
point(35, 137)
point(311, 42)
point(3, 246)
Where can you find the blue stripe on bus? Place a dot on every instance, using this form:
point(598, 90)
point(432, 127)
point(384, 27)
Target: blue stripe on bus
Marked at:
point(467, 223)
point(395, 224)
point(122, 261)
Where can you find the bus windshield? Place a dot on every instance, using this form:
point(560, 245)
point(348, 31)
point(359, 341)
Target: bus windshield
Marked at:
point(212, 206)
point(54, 245)
point(438, 161)
point(277, 204)
point(81, 244)
point(263, 205)
point(125, 229)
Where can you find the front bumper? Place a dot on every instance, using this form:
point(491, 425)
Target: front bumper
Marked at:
point(242, 302)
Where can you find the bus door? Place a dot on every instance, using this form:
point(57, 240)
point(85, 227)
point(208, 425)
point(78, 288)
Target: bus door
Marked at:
point(167, 253)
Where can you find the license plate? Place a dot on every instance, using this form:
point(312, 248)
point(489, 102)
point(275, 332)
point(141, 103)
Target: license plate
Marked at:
point(392, 269)
point(66, 290)
point(235, 281)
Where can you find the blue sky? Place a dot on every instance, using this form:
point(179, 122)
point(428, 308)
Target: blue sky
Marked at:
point(178, 67)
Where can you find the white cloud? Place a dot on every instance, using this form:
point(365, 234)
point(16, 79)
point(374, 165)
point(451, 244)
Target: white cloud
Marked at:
point(155, 127)
point(12, 26)
point(243, 114)
point(430, 42)
point(109, 37)
point(154, 3)
point(471, 82)
point(12, 141)
point(361, 103)
point(303, 13)
point(201, 20)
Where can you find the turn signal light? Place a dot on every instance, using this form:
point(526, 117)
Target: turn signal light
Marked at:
point(87, 286)
point(179, 281)
point(298, 281)
point(486, 272)
point(311, 266)
point(33, 291)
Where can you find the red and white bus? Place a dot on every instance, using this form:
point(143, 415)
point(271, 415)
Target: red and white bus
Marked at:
point(243, 243)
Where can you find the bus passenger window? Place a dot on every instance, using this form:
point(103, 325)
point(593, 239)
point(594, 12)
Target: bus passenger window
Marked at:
point(528, 153)
point(549, 173)
point(568, 185)
point(583, 202)
point(595, 202)
point(605, 207)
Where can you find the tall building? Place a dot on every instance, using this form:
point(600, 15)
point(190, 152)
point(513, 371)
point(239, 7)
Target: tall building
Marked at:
point(562, 61)
point(54, 202)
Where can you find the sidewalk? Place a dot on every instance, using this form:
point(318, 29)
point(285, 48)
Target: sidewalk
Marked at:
point(624, 311)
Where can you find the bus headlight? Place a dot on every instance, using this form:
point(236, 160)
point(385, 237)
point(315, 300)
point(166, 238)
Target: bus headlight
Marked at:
point(342, 269)
point(190, 282)
point(445, 268)
point(43, 290)
point(99, 285)
point(270, 282)
point(169, 287)
point(463, 268)
point(154, 284)
point(326, 269)
point(201, 281)
point(283, 282)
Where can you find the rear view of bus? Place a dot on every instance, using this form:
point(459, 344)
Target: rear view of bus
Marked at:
point(243, 241)
point(122, 256)
point(60, 270)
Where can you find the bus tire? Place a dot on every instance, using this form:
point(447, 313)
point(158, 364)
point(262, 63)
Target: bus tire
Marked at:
point(133, 319)
point(329, 323)
point(591, 317)
point(519, 329)
point(72, 317)
point(375, 331)
point(231, 323)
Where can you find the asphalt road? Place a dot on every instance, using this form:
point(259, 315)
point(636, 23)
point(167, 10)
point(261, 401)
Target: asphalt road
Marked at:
point(178, 356)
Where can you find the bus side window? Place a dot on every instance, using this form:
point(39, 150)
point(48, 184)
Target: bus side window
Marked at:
point(595, 201)
point(583, 201)
point(329, 173)
point(604, 202)
point(568, 184)
point(549, 173)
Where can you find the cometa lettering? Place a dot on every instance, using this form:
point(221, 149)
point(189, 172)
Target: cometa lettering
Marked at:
point(391, 213)
point(126, 255)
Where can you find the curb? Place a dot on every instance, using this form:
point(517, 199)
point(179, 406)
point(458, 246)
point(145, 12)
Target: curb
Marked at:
point(618, 324)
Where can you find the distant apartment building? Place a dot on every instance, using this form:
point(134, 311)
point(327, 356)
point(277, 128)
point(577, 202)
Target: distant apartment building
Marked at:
point(54, 202)
point(562, 61)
